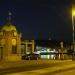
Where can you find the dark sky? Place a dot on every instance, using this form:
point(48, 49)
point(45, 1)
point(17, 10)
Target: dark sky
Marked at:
point(39, 19)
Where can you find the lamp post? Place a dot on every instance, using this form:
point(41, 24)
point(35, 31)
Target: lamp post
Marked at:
point(73, 14)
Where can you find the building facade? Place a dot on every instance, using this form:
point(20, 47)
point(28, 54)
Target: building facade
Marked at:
point(10, 43)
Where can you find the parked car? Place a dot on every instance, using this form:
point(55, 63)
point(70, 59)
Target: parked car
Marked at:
point(25, 57)
point(31, 57)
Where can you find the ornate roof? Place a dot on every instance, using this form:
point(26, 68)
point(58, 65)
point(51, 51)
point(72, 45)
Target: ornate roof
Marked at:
point(8, 26)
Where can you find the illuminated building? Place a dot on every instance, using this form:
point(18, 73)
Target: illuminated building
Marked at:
point(10, 42)
point(46, 52)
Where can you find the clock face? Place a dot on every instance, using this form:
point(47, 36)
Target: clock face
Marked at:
point(14, 42)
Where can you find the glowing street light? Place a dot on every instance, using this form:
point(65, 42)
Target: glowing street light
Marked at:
point(73, 12)
point(73, 15)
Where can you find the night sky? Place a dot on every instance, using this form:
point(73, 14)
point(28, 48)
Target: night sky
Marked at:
point(39, 19)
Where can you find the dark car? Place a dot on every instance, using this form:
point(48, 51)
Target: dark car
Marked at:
point(25, 57)
point(30, 57)
point(33, 56)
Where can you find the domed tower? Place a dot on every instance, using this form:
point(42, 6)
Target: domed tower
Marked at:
point(10, 42)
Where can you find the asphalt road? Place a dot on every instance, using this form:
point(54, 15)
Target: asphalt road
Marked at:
point(66, 72)
point(38, 68)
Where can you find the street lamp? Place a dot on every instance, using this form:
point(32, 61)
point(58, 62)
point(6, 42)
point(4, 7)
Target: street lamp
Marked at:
point(73, 14)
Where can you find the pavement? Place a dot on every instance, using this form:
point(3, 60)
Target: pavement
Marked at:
point(37, 67)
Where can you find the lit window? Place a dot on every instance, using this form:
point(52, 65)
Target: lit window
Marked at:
point(14, 47)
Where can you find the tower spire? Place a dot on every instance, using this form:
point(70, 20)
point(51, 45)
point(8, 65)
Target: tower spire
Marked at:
point(9, 18)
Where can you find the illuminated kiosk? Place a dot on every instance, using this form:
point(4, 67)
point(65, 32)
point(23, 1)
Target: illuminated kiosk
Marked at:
point(26, 49)
point(10, 42)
